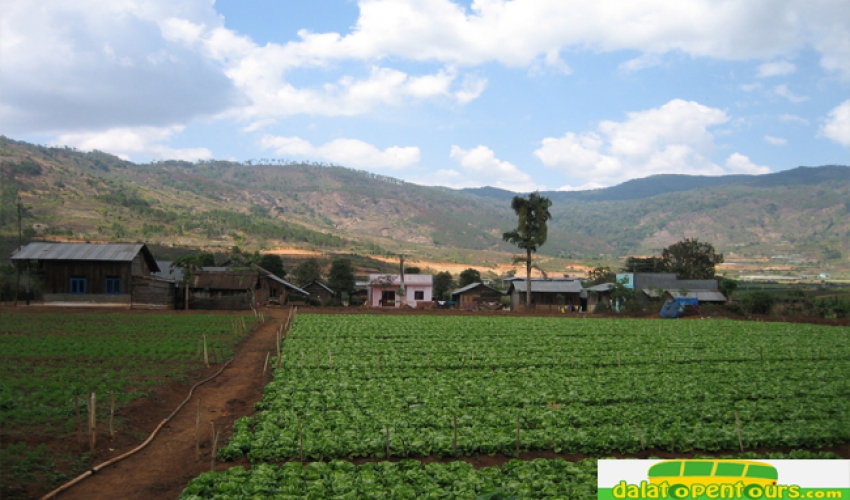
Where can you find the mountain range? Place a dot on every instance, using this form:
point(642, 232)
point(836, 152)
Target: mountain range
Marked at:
point(94, 196)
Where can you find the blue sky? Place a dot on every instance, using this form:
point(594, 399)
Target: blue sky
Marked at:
point(521, 94)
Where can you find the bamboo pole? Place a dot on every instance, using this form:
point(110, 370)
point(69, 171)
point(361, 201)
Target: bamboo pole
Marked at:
point(738, 428)
point(265, 366)
point(93, 422)
point(206, 353)
point(214, 445)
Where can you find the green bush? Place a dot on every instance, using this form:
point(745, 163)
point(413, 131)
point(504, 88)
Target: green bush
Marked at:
point(758, 302)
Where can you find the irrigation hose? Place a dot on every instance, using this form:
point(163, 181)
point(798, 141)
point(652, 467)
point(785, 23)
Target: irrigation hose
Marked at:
point(111, 461)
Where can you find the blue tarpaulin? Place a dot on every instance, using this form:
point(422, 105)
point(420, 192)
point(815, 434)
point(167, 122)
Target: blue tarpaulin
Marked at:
point(674, 308)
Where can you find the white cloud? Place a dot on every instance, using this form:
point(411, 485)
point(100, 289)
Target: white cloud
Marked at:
point(789, 118)
point(776, 68)
point(136, 142)
point(776, 141)
point(346, 152)
point(643, 61)
point(837, 125)
point(481, 167)
point(673, 138)
point(784, 91)
point(740, 164)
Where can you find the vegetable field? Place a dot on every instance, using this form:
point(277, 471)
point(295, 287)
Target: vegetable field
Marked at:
point(48, 360)
point(414, 386)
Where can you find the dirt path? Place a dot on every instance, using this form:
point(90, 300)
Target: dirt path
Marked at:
point(162, 470)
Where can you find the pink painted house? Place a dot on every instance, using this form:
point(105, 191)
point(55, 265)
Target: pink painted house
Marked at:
point(384, 289)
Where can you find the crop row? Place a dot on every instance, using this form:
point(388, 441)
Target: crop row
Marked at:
point(411, 384)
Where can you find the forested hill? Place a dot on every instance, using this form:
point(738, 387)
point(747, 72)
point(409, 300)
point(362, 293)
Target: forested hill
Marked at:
point(98, 197)
point(655, 185)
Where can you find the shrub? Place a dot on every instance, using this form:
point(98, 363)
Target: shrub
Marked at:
point(758, 302)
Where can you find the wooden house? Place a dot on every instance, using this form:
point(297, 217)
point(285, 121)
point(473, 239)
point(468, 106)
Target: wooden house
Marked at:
point(547, 294)
point(319, 292)
point(274, 290)
point(477, 295)
point(89, 274)
point(223, 288)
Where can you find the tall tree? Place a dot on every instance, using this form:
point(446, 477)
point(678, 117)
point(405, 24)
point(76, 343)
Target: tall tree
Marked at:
point(599, 275)
point(273, 264)
point(469, 276)
point(307, 272)
point(691, 260)
point(532, 230)
point(341, 276)
point(442, 284)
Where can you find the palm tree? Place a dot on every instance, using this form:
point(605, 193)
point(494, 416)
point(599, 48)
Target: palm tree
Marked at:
point(531, 231)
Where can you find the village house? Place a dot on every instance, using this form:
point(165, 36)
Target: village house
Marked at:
point(319, 292)
point(547, 294)
point(475, 296)
point(91, 274)
point(393, 290)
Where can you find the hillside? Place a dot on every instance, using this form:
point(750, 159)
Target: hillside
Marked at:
point(99, 197)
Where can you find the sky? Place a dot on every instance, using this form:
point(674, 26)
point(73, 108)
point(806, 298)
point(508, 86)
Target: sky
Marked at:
point(522, 95)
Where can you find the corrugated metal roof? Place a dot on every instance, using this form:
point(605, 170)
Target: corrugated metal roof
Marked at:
point(114, 252)
point(603, 287)
point(322, 285)
point(168, 272)
point(472, 286)
point(558, 286)
point(287, 284)
point(225, 280)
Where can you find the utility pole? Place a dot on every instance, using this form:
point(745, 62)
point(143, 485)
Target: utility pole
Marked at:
point(20, 246)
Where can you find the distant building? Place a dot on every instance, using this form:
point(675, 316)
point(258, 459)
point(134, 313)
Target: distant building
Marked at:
point(474, 295)
point(549, 293)
point(654, 285)
point(320, 292)
point(385, 290)
point(90, 274)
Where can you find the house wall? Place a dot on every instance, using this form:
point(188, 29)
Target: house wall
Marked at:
point(545, 299)
point(150, 293)
point(375, 294)
point(57, 276)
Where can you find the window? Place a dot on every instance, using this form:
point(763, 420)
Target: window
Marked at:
point(78, 285)
point(419, 295)
point(112, 286)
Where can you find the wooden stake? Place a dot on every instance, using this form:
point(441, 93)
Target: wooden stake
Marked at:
point(388, 442)
point(738, 428)
point(640, 436)
point(93, 422)
point(214, 445)
point(198, 433)
point(266, 365)
point(761, 353)
point(618, 359)
point(330, 360)
point(378, 354)
point(206, 353)
point(428, 355)
point(111, 414)
point(517, 436)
